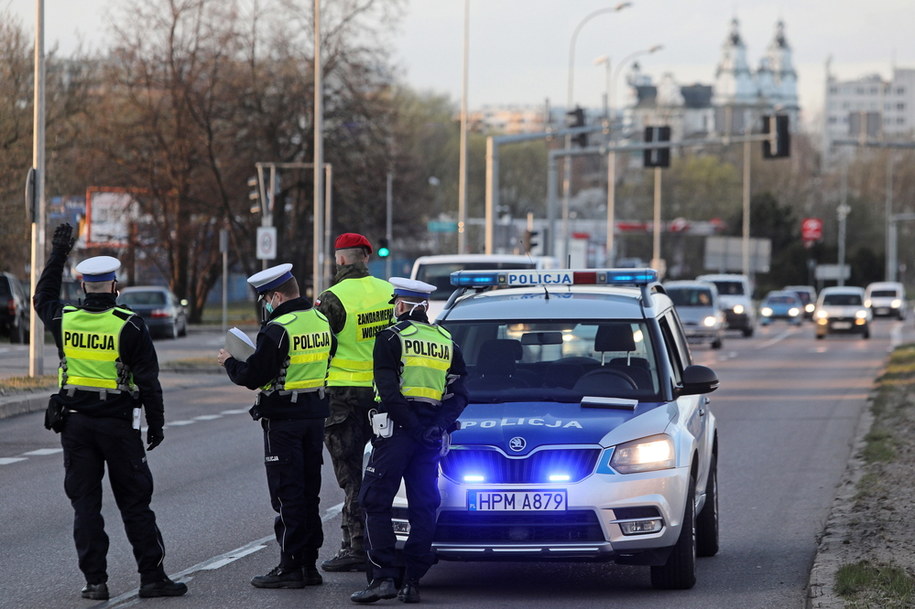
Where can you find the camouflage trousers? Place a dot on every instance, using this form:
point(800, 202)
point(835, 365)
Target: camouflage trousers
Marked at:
point(346, 432)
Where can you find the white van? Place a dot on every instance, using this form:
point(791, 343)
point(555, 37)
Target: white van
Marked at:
point(437, 271)
point(735, 292)
point(886, 299)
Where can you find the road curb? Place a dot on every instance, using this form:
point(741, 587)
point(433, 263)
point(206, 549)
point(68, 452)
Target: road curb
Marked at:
point(829, 557)
point(11, 405)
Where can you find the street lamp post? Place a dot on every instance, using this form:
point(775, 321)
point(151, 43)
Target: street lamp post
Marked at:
point(611, 156)
point(567, 175)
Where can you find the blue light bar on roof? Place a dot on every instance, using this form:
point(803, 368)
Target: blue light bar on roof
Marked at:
point(529, 277)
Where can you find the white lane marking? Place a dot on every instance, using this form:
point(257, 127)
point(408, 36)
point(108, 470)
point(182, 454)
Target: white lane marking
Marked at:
point(236, 411)
point(208, 417)
point(8, 460)
point(779, 337)
point(129, 599)
point(43, 451)
point(180, 423)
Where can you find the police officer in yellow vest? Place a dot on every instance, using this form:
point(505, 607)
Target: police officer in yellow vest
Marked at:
point(357, 308)
point(288, 368)
point(419, 376)
point(108, 370)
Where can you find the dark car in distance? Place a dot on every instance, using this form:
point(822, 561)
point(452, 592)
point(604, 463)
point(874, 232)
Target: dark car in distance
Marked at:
point(15, 309)
point(163, 312)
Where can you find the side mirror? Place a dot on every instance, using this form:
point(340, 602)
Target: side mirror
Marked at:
point(698, 379)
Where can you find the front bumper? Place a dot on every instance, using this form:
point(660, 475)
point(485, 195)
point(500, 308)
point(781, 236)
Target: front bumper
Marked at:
point(588, 530)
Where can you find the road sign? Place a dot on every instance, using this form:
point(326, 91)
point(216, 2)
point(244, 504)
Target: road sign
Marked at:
point(832, 272)
point(266, 242)
point(811, 229)
point(441, 226)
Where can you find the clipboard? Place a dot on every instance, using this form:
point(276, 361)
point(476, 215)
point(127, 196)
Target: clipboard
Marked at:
point(239, 344)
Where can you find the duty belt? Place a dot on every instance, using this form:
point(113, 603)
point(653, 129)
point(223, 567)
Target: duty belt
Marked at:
point(291, 392)
point(102, 391)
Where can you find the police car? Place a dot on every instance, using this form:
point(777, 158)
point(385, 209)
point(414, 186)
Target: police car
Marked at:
point(588, 435)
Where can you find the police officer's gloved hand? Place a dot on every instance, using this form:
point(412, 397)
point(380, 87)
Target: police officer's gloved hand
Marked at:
point(432, 436)
point(63, 240)
point(154, 437)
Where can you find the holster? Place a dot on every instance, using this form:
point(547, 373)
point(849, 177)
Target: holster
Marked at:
point(56, 414)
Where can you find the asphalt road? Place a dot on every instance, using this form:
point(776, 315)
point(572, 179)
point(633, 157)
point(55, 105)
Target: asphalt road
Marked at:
point(787, 410)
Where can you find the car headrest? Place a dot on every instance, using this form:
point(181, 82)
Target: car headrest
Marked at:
point(615, 337)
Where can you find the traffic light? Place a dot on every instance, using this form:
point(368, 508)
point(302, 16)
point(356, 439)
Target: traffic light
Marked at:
point(656, 157)
point(778, 144)
point(528, 240)
point(576, 118)
point(254, 194)
point(383, 250)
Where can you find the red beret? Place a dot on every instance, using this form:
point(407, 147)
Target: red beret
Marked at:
point(348, 240)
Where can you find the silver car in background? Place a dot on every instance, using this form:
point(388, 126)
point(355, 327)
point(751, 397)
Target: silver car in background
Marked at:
point(700, 312)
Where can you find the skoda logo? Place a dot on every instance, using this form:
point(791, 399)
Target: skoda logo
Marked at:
point(517, 443)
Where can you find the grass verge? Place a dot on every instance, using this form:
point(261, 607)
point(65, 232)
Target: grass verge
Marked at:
point(865, 585)
point(20, 384)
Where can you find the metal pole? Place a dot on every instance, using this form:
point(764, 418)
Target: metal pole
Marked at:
point(611, 206)
point(746, 208)
point(389, 220)
point(36, 328)
point(462, 169)
point(224, 249)
point(842, 213)
point(656, 224)
point(492, 187)
point(549, 241)
point(327, 261)
point(318, 222)
point(891, 266)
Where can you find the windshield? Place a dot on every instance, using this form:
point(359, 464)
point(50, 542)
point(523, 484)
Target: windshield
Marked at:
point(142, 298)
point(690, 297)
point(842, 299)
point(560, 361)
point(884, 294)
point(439, 274)
point(781, 299)
point(730, 288)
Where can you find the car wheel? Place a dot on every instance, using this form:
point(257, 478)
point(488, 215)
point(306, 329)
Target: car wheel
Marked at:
point(748, 332)
point(679, 572)
point(820, 336)
point(866, 333)
point(716, 344)
point(707, 522)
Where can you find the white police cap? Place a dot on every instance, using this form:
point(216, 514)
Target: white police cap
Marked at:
point(270, 279)
point(410, 288)
point(98, 268)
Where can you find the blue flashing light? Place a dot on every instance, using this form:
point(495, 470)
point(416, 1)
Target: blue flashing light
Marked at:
point(532, 277)
point(473, 478)
point(559, 477)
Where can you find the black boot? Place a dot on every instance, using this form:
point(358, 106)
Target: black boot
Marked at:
point(410, 592)
point(377, 590)
point(345, 560)
point(280, 577)
point(97, 592)
point(163, 587)
point(312, 577)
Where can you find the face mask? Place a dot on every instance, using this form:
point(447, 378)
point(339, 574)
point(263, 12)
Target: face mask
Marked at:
point(268, 306)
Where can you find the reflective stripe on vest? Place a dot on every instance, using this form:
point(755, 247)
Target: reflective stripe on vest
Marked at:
point(367, 313)
point(426, 352)
point(91, 343)
point(309, 338)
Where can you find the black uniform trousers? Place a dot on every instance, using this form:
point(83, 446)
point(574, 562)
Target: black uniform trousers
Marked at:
point(395, 458)
point(293, 456)
point(89, 444)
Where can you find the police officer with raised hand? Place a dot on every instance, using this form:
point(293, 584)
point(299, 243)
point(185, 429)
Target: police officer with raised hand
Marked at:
point(288, 368)
point(419, 376)
point(357, 308)
point(108, 369)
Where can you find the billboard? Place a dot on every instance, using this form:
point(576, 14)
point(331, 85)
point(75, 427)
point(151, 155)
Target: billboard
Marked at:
point(110, 212)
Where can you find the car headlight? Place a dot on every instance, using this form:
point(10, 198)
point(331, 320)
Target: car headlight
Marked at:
point(896, 303)
point(765, 311)
point(810, 307)
point(644, 455)
point(861, 313)
point(821, 314)
point(738, 308)
point(868, 303)
point(793, 312)
point(709, 321)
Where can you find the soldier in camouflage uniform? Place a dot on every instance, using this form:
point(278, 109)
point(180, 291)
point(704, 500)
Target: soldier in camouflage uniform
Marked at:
point(357, 308)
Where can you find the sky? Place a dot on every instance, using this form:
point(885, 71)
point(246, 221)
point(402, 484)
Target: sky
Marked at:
point(519, 50)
